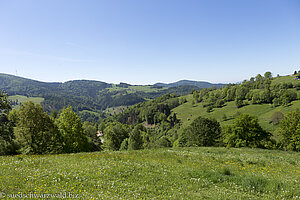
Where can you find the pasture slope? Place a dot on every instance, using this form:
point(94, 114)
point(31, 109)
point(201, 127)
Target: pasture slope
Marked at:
point(190, 110)
point(22, 99)
point(178, 173)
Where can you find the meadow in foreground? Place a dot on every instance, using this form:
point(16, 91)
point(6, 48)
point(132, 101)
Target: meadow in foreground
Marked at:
point(178, 173)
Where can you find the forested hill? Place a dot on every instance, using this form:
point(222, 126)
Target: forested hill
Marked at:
point(200, 84)
point(87, 95)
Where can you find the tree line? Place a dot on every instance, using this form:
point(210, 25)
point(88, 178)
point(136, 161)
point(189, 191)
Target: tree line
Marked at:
point(30, 130)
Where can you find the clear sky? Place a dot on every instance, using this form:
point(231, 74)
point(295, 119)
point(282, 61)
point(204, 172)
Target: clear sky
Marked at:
point(149, 41)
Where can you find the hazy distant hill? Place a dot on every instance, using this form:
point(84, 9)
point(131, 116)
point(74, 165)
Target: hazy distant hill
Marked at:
point(92, 96)
point(200, 84)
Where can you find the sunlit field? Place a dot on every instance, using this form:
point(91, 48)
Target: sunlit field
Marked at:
point(182, 173)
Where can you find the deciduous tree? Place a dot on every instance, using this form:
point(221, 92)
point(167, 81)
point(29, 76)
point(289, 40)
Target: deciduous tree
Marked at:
point(6, 129)
point(135, 140)
point(201, 132)
point(290, 130)
point(35, 130)
point(245, 132)
point(70, 127)
point(114, 134)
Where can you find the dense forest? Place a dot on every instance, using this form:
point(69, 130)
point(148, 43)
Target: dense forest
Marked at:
point(155, 123)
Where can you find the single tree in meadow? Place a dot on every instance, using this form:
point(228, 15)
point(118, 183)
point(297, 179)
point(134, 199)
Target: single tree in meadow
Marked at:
point(245, 132)
point(201, 132)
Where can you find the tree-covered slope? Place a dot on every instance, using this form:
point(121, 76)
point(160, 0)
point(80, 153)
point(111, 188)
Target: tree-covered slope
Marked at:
point(260, 97)
point(200, 84)
point(85, 95)
point(14, 85)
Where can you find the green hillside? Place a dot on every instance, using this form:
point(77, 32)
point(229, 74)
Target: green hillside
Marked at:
point(84, 95)
point(174, 120)
point(136, 88)
point(16, 100)
point(226, 114)
point(200, 84)
point(285, 79)
point(168, 119)
point(188, 112)
point(178, 173)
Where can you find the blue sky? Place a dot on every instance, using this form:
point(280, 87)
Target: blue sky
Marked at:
point(149, 41)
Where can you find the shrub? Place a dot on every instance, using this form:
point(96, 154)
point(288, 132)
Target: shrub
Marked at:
point(163, 142)
point(276, 117)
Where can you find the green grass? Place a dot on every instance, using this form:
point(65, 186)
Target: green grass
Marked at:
point(22, 99)
point(115, 110)
point(188, 112)
point(285, 79)
point(136, 88)
point(181, 173)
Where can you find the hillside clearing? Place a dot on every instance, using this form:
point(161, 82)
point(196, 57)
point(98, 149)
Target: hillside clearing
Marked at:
point(22, 99)
point(187, 112)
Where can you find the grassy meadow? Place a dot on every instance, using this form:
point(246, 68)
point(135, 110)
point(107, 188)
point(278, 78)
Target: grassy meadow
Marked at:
point(22, 99)
point(187, 112)
point(136, 88)
point(178, 173)
point(115, 110)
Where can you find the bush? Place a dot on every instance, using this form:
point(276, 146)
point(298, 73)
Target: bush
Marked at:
point(276, 117)
point(163, 142)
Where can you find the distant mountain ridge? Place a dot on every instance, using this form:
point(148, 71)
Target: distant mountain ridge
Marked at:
point(8, 81)
point(200, 84)
point(90, 95)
